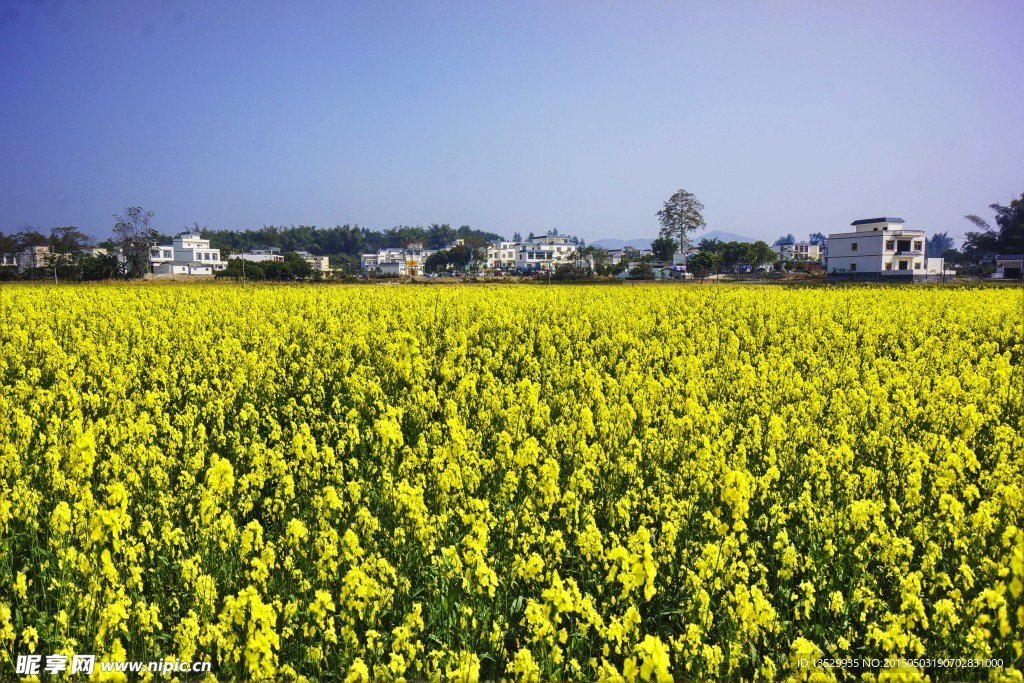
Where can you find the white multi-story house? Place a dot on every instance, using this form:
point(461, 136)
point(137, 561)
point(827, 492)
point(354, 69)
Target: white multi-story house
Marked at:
point(878, 248)
point(398, 261)
point(188, 254)
point(539, 253)
point(501, 255)
point(260, 255)
point(799, 251)
point(544, 251)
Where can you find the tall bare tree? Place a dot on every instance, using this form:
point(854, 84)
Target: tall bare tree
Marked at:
point(135, 235)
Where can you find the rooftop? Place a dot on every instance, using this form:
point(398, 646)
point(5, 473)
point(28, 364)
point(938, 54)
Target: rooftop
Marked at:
point(884, 219)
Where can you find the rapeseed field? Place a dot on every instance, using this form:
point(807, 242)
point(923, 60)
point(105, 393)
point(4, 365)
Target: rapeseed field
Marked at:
point(529, 483)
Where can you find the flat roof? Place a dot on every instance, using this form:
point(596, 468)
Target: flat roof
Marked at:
point(919, 232)
point(884, 219)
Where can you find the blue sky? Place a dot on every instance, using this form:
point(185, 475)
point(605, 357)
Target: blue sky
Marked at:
point(780, 116)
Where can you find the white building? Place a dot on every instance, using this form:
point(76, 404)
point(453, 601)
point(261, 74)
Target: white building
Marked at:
point(877, 248)
point(540, 253)
point(260, 255)
point(544, 252)
point(34, 257)
point(188, 254)
point(398, 261)
point(319, 263)
point(1009, 267)
point(799, 251)
point(502, 255)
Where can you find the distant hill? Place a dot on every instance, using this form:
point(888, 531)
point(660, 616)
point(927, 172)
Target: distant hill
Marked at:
point(612, 243)
point(721, 235)
point(621, 244)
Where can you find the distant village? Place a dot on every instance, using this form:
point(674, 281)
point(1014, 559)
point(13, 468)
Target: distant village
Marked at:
point(871, 249)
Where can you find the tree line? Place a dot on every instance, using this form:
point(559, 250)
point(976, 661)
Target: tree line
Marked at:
point(133, 234)
point(293, 267)
point(342, 243)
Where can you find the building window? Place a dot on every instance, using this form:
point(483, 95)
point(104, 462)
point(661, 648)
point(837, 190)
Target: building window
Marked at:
point(853, 267)
point(890, 245)
point(888, 266)
point(917, 246)
point(853, 246)
point(917, 265)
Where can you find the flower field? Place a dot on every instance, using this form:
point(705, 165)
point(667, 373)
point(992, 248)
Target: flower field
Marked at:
point(469, 483)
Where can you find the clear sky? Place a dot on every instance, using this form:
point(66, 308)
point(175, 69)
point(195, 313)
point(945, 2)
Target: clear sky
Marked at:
point(780, 116)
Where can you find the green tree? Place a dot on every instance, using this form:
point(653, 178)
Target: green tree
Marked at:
point(1008, 239)
point(663, 248)
point(785, 239)
point(703, 263)
point(818, 238)
point(711, 246)
point(571, 271)
point(134, 234)
point(69, 240)
point(953, 258)
point(233, 271)
point(641, 270)
point(440, 236)
point(29, 236)
point(938, 244)
point(296, 267)
point(100, 267)
point(8, 244)
point(597, 256)
point(680, 216)
point(733, 254)
point(456, 258)
point(759, 253)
